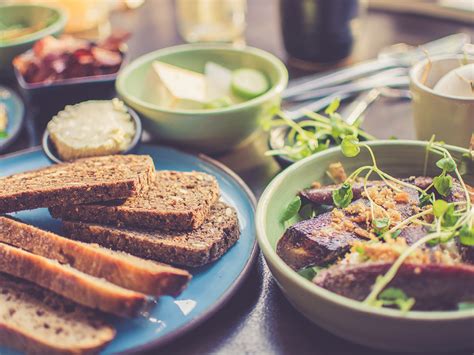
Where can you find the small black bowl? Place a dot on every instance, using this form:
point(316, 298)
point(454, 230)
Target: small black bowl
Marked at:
point(50, 150)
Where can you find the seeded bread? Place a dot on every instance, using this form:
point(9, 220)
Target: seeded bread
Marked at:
point(83, 181)
point(195, 248)
point(175, 201)
point(122, 269)
point(70, 283)
point(37, 321)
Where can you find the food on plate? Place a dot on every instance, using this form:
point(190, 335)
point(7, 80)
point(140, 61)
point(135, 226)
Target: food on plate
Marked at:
point(218, 87)
point(192, 248)
point(35, 320)
point(405, 243)
point(92, 128)
point(108, 269)
point(83, 181)
point(175, 201)
point(314, 133)
point(3, 121)
point(121, 269)
point(71, 283)
point(53, 59)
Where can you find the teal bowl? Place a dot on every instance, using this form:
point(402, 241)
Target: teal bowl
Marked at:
point(28, 15)
point(386, 329)
point(209, 131)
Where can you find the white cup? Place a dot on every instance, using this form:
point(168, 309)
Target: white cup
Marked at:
point(449, 118)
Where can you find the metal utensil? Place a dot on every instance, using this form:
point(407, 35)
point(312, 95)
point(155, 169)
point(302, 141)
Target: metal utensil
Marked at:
point(397, 57)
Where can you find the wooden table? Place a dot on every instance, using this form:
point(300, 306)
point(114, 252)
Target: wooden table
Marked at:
point(258, 319)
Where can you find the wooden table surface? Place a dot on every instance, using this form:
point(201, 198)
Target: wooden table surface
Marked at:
point(258, 319)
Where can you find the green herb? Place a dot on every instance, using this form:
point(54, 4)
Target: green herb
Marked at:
point(307, 211)
point(426, 199)
point(381, 225)
point(310, 272)
point(343, 196)
point(3, 134)
point(447, 164)
point(439, 208)
point(314, 133)
point(292, 210)
point(395, 234)
point(443, 184)
point(350, 146)
point(466, 235)
point(393, 296)
point(449, 217)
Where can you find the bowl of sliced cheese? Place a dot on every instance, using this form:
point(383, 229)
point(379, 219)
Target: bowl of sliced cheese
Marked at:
point(206, 97)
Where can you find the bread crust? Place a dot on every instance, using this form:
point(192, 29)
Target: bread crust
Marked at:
point(70, 283)
point(175, 201)
point(124, 270)
point(195, 248)
point(83, 181)
point(17, 337)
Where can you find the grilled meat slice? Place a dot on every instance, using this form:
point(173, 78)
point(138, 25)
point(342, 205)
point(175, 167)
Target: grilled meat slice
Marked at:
point(433, 286)
point(323, 195)
point(316, 241)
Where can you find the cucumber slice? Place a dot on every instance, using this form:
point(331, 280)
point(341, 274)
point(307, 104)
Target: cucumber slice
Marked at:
point(221, 102)
point(249, 83)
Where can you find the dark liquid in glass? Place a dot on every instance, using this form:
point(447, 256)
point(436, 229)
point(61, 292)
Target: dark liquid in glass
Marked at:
point(318, 31)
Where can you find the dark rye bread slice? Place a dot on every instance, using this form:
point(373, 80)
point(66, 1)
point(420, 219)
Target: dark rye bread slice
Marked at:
point(175, 201)
point(37, 321)
point(122, 269)
point(194, 248)
point(82, 181)
point(70, 283)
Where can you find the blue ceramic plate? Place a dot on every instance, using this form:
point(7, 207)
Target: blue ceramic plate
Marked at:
point(211, 285)
point(15, 113)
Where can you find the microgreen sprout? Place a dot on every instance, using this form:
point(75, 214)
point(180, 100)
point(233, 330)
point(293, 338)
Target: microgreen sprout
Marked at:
point(393, 296)
point(314, 133)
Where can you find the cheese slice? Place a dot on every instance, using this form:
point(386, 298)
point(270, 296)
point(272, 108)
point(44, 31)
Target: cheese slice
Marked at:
point(179, 88)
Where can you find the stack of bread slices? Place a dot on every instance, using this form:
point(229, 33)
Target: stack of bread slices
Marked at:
point(122, 220)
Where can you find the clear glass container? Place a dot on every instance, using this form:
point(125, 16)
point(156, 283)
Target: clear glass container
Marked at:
point(211, 20)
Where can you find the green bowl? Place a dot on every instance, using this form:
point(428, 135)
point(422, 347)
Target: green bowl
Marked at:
point(28, 15)
point(208, 131)
point(387, 329)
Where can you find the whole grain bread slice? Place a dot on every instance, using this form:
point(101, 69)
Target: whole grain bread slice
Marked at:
point(122, 269)
point(82, 181)
point(194, 248)
point(37, 321)
point(175, 201)
point(71, 283)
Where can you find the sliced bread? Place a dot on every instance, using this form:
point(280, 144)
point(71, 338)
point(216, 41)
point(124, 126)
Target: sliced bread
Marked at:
point(37, 321)
point(175, 201)
point(83, 181)
point(195, 248)
point(71, 283)
point(122, 269)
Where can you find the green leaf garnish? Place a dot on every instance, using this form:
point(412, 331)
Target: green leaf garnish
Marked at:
point(426, 199)
point(440, 207)
point(465, 305)
point(343, 196)
point(449, 217)
point(333, 106)
point(381, 225)
point(291, 210)
point(466, 235)
point(350, 146)
point(307, 211)
point(395, 296)
point(310, 272)
point(446, 164)
point(443, 184)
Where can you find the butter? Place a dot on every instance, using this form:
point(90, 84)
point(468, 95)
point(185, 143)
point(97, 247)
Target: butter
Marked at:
point(92, 128)
point(179, 88)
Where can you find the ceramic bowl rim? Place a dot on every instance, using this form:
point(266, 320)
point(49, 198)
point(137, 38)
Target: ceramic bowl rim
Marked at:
point(46, 141)
point(59, 24)
point(276, 88)
point(318, 292)
point(414, 76)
